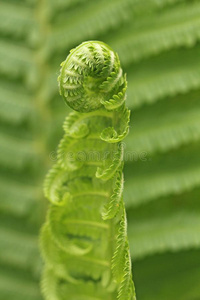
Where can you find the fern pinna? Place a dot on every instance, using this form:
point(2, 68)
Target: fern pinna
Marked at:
point(84, 240)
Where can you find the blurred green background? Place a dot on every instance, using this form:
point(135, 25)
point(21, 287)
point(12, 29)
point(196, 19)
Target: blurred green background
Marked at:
point(158, 42)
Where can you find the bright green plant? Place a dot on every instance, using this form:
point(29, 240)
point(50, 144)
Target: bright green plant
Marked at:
point(158, 45)
point(84, 240)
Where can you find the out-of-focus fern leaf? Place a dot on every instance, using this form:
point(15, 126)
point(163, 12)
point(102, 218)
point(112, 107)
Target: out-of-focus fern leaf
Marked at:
point(171, 223)
point(15, 105)
point(95, 18)
point(163, 174)
point(168, 276)
point(18, 244)
point(20, 163)
point(18, 198)
point(176, 26)
point(16, 153)
point(165, 125)
point(17, 22)
point(139, 6)
point(22, 3)
point(19, 250)
point(18, 63)
point(18, 285)
point(167, 74)
point(60, 5)
point(106, 13)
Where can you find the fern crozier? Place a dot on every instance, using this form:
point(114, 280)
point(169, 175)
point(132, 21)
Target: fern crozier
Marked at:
point(84, 240)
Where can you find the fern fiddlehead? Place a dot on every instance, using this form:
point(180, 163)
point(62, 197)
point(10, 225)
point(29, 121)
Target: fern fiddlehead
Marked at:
point(84, 240)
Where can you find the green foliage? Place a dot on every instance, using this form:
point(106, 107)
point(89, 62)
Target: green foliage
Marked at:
point(156, 276)
point(167, 223)
point(84, 240)
point(158, 45)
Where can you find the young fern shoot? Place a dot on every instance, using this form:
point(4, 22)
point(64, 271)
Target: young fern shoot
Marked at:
point(84, 240)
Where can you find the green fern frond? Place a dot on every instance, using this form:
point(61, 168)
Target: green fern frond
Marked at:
point(112, 207)
point(119, 257)
point(79, 237)
point(158, 45)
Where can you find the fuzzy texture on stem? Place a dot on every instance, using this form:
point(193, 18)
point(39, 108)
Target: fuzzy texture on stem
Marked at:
point(84, 239)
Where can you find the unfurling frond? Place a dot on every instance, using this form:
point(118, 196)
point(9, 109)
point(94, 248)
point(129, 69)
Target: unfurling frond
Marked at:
point(84, 240)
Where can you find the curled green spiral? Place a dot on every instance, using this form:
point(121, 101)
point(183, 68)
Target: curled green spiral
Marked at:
point(84, 239)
